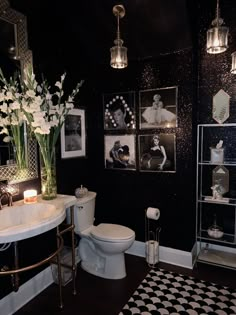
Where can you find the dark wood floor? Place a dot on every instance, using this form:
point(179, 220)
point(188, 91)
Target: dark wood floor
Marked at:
point(107, 297)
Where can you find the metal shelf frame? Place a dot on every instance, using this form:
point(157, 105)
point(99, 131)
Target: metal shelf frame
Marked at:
point(208, 251)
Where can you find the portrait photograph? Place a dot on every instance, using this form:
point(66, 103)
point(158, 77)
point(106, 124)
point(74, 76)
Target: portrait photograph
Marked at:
point(158, 108)
point(120, 152)
point(119, 111)
point(73, 134)
point(157, 152)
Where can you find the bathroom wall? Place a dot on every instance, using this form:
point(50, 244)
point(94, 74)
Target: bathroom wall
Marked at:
point(124, 195)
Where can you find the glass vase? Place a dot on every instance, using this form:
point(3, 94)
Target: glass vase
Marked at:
point(48, 173)
point(20, 156)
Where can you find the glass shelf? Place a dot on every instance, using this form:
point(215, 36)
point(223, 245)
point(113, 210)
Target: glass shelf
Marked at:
point(231, 202)
point(217, 251)
point(226, 238)
point(226, 163)
point(219, 258)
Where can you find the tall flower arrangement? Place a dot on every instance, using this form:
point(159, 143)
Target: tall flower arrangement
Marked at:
point(12, 118)
point(45, 111)
point(44, 108)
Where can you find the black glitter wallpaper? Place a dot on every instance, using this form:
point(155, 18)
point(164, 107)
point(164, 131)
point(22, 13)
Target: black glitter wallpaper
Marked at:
point(123, 195)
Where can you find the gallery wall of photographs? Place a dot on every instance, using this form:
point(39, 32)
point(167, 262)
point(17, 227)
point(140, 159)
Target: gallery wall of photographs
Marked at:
point(139, 130)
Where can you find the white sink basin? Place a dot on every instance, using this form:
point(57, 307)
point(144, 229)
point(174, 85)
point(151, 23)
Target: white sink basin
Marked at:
point(27, 220)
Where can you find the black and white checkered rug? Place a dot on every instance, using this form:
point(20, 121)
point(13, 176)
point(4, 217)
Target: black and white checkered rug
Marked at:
point(164, 292)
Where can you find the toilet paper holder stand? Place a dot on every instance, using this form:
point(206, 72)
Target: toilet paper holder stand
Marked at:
point(152, 236)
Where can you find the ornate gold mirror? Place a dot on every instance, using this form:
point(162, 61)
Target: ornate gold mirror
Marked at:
point(15, 55)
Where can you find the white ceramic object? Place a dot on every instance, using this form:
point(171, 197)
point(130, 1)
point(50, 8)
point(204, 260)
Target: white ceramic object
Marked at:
point(215, 233)
point(101, 247)
point(81, 192)
point(23, 221)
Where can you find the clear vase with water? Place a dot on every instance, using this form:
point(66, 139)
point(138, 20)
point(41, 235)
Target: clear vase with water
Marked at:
point(48, 173)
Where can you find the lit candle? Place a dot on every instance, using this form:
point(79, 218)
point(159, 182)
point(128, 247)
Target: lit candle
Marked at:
point(30, 196)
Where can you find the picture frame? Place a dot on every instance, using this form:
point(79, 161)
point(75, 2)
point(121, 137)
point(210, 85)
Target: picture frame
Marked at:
point(158, 108)
point(119, 111)
point(120, 153)
point(157, 152)
point(73, 135)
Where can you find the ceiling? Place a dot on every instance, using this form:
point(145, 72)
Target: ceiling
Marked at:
point(87, 29)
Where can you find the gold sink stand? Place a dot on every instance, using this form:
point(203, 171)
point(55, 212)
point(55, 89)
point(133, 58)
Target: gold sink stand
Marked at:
point(15, 272)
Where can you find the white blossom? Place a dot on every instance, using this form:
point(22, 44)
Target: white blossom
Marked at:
point(15, 105)
point(7, 139)
point(30, 93)
point(58, 84)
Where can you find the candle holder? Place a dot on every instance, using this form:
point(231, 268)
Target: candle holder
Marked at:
point(30, 196)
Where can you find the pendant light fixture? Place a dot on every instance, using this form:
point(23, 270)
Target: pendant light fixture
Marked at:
point(119, 58)
point(233, 66)
point(217, 36)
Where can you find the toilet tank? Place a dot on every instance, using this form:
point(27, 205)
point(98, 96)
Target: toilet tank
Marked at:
point(84, 211)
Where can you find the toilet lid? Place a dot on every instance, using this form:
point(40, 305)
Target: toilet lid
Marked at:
point(112, 232)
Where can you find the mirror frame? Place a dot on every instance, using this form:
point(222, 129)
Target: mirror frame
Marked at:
point(9, 172)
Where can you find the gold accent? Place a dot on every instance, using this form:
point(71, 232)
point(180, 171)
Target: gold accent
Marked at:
point(119, 10)
point(14, 272)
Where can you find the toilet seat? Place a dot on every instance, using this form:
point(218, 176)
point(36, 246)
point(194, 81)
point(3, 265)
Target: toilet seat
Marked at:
point(112, 233)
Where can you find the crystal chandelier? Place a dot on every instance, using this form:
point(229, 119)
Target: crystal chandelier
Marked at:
point(233, 66)
point(217, 36)
point(119, 58)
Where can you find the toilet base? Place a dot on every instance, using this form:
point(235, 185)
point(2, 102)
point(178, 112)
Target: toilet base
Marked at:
point(110, 267)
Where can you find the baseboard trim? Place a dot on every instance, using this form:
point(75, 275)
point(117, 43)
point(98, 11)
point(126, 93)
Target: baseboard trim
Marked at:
point(166, 254)
point(27, 291)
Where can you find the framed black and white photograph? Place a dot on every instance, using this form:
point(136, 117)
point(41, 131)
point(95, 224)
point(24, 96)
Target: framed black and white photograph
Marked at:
point(119, 111)
point(120, 152)
point(73, 135)
point(157, 152)
point(158, 108)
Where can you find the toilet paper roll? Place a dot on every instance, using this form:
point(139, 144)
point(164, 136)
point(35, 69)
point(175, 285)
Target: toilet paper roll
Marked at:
point(153, 213)
point(152, 252)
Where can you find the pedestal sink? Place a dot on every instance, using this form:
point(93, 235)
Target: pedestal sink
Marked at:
point(23, 221)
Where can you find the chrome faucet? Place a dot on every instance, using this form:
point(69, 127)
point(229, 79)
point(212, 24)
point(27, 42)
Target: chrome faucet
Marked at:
point(9, 199)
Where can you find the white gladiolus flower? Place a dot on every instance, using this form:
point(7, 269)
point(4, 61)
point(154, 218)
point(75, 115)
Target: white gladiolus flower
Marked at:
point(9, 95)
point(69, 105)
point(39, 89)
point(14, 121)
point(2, 97)
point(39, 117)
point(4, 108)
point(43, 130)
point(7, 139)
point(38, 100)
point(44, 109)
point(54, 123)
point(4, 130)
point(30, 93)
point(58, 84)
point(63, 77)
point(14, 105)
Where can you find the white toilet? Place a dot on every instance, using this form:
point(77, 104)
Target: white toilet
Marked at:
point(101, 247)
